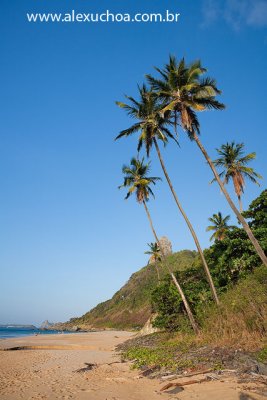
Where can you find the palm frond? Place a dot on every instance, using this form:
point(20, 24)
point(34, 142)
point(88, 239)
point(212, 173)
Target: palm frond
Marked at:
point(137, 180)
point(129, 131)
point(233, 163)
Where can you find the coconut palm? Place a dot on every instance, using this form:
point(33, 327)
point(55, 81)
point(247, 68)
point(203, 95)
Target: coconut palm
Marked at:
point(153, 125)
point(234, 164)
point(138, 182)
point(155, 255)
point(220, 226)
point(183, 92)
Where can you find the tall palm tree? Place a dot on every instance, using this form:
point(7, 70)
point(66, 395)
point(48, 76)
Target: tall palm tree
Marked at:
point(155, 255)
point(234, 164)
point(138, 182)
point(220, 226)
point(153, 125)
point(183, 92)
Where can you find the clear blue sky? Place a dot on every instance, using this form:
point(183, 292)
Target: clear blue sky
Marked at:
point(68, 239)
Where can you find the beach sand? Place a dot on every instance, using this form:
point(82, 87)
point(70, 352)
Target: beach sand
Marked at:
point(49, 371)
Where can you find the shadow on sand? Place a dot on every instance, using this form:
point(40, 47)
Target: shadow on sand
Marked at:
point(244, 396)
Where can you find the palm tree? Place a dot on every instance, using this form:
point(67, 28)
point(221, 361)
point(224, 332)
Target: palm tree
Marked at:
point(153, 126)
point(220, 226)
point(183, 91)
point(155, 255)
point(138, 182)
point(234, 164)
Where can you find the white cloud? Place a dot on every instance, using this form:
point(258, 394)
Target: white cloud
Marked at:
point(258, 14)
point(237, 13)
point(211, 12)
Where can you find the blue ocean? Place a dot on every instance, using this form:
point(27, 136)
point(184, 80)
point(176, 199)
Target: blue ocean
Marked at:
point(13, 332)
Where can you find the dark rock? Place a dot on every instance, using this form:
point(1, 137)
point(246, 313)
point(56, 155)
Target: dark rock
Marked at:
point(88, 367)
point(175, 390)
point(262, 368)
point(75, 329)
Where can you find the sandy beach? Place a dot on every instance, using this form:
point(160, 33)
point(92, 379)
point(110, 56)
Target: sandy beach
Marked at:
point(58, 367)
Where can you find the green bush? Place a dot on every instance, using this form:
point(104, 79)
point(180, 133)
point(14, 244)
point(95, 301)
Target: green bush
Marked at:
point(168, 305)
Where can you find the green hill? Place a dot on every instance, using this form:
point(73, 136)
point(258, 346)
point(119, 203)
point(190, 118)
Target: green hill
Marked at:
point(130, 307)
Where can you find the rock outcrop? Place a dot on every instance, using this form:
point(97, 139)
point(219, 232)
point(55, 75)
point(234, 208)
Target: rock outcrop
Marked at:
point(148, 327)
point(46, 325)
point(166, 245)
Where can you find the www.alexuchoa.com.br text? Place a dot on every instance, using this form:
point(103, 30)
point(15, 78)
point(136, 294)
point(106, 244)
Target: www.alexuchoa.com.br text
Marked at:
point(105, 17)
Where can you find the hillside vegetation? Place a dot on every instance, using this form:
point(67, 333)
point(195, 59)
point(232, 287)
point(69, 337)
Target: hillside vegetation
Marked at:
point(130, 307)
point(236, 270)
point(232, 261)
point(232, 336)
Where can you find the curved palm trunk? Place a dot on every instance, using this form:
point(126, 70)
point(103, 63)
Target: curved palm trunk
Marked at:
point(151, 225)
point(213, 290)
point(157, 269)
point(188, 310)
point(240, 204)
point(180, 290)
point(241, 219)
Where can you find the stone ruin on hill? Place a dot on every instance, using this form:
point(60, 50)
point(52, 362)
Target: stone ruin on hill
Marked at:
point(166, 246)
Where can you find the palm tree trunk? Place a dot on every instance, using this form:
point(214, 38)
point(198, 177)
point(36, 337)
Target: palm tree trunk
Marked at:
point(151, 225)
point(157, 269)
point(206, 268)
point(180, 290)
point(240, 204)
point(241, 219)
point(187, 307)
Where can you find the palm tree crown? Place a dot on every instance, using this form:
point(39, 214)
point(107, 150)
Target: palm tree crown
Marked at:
point(151, 123)
point(154, 251)
point(155, 256)
point(137, 180)
point(184, 91)
point(220, 226)
point(234, 164)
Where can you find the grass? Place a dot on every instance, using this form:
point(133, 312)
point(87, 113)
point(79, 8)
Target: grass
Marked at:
point(241, 318)
point(180, 353)
point(164, 355)
point(230, 333)
point(262, 355)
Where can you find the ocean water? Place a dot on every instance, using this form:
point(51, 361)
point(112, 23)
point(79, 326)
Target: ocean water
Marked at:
point(13, 332)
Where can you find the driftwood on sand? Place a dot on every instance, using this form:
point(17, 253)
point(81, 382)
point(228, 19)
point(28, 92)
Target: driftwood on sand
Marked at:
point(176, 384)
point(172, 377)
point(88, 367)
